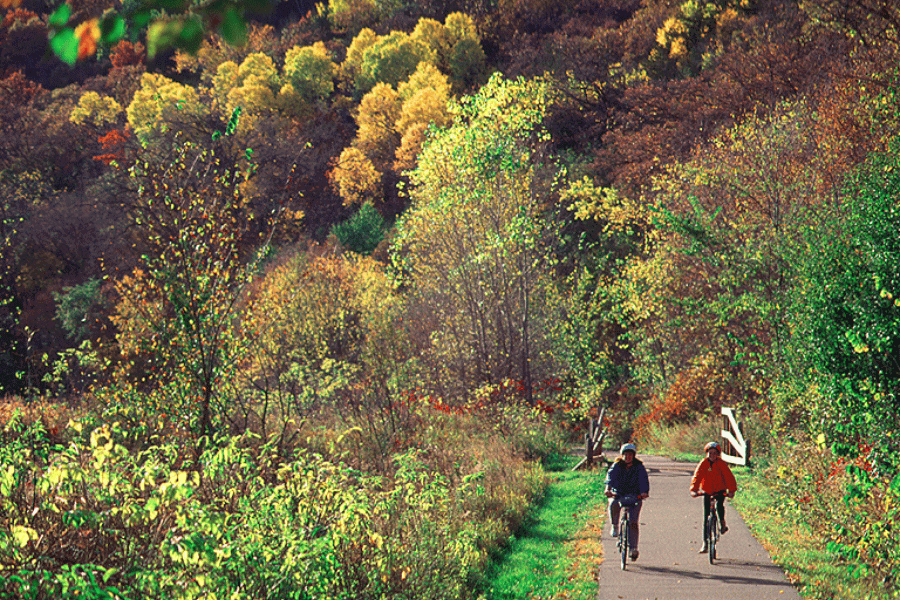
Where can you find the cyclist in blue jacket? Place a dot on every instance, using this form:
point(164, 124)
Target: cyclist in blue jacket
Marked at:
point(627, 483)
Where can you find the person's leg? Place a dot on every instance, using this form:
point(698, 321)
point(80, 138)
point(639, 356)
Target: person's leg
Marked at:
point(614, 508)
point(706, 508)
point(720, 508)
point(633, 524)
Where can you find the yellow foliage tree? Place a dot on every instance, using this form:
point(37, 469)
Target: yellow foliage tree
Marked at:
point(427, 76)
point(254, 96)
point(350, 67)
point(254, 86)
point(377, 117)
point(435, 35)
point(392, 124)
point(226, 78)
point(96, 109)
point(356, 178)
point(352, 15)
point(261, 66)
point(322, 321)
point(317, 308)
point(157, 101)
point(410, 147)
point(426, 107)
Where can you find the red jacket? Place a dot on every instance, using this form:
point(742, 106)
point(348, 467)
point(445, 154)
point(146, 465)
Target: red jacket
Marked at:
point(712, 477)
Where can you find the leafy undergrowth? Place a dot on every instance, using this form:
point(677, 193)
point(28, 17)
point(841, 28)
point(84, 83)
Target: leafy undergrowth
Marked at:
point(98, 511)
point(558, 554)
point(792, 544)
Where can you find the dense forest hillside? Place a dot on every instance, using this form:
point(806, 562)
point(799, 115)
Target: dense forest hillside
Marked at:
point(414, 244)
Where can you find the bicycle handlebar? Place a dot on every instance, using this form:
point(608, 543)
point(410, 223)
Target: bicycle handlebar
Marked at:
point(724, 493)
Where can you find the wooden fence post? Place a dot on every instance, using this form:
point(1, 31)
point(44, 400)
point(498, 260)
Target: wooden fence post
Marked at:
point(593, 440)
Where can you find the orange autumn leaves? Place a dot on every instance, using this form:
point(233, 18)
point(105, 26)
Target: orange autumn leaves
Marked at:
point(87, 34)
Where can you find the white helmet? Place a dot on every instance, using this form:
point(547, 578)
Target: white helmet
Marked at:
point(628, 447)
point(711, 445)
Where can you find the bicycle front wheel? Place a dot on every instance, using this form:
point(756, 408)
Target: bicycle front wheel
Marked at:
point(624, 540)
point(712, 528)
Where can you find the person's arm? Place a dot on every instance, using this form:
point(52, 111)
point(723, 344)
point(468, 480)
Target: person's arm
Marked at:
point(730, 481)
point(612, 480)
point(644, 482)
point(696, 480)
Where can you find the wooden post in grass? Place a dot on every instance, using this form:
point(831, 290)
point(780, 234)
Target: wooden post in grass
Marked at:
point(593, 440)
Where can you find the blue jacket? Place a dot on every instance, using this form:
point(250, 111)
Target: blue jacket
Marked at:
point(624, 481)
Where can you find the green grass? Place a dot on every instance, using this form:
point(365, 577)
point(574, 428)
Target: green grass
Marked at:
point(559, 552)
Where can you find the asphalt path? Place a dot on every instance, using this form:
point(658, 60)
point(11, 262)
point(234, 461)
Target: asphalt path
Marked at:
point(669, 566)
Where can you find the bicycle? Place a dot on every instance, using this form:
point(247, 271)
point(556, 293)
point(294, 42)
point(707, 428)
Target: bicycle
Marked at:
point(711, 532)
point(623, 543)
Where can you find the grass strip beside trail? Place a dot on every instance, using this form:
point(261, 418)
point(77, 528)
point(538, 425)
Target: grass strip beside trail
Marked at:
point(558, 554)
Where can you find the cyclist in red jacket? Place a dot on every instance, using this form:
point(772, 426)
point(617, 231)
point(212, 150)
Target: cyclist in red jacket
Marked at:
point(713, 478)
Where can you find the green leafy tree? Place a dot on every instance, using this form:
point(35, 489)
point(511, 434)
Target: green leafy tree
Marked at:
point(311, 72)
point(595, 333)
point(350, 68)
point(470, 244)
point(77, 307)
point(165, 26)
point(178, 310)
point(465, 63)
point(391, 59)
point(712, 283)
point(456, 48)
point(362, 232)
point(849, 313)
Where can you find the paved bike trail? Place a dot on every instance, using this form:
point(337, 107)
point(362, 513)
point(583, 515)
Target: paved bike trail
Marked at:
point(671, 533)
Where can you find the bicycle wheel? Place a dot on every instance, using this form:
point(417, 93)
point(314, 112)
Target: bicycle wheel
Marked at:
point(624, 537)
point(713, 531)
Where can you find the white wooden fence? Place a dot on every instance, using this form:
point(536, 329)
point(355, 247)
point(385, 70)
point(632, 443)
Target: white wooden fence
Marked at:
point(735, 449)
